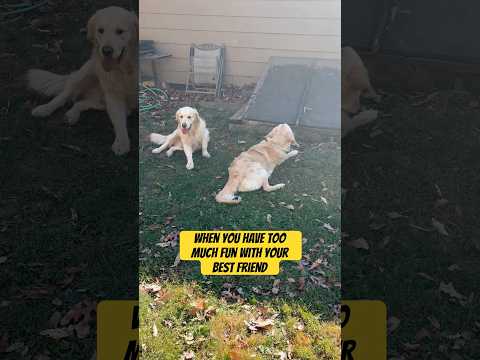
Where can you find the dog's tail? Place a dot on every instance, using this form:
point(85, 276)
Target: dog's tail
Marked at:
point(157, 138)
point(45, 82)
point(227, 194)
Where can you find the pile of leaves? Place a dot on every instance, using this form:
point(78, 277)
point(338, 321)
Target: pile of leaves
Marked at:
point(182, 321)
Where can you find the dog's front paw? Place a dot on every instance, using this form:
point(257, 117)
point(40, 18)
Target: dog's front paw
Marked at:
point(189, 166)
point(72, 116)
point(121, 147)
point(157, 150)
point(41, 111)
point(206, 155)
point(168, 153)
point(293, 153)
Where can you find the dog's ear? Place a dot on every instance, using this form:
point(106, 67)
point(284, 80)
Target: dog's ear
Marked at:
point(177, 116)
point(288, 132)
point(196, 115)
point(91, 28)
point(134, 25)
point(272, 133)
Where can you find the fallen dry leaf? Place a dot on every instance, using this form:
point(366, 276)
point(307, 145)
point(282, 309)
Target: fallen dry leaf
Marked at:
point(330, 228)
point(15, 347)
point(437, 225)
point(450, 290)
point(316, 264)
point(58, 333)
point(453, 267)
point(197, 306)
point(395, 215)
point(154, 330)
point(188, 355)
point(426, 276)
point(359, 243)
point(433, 320)
point(259, 324)
point(276, 288)
point(422, 334)
point(301, 283)
point(392, 324)
point(177, 260)
point(79, 317)
point(55, 319)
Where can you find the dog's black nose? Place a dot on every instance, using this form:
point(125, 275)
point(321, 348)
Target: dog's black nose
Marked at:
point(107, 51)
point(184, 125)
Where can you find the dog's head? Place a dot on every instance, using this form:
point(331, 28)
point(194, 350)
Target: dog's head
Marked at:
point(282, 135)
point(114, 33)
point(186, 118)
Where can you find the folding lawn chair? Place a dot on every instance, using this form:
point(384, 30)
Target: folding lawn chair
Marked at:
point(206, 69)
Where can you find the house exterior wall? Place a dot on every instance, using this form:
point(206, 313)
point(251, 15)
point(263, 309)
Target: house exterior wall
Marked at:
point(251, 30)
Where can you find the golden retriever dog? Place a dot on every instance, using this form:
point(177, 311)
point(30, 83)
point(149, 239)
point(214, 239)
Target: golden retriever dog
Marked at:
point(107, 81)
point(251, 170)
point(355, 83)
point(190, 135)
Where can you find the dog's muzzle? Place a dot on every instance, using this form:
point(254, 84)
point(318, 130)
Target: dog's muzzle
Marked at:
point(185, 128)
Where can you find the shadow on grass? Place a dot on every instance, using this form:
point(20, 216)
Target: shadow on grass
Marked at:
point(423, 165)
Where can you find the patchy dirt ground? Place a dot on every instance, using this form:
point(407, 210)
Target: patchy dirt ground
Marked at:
point(68, 206)
point(412, 183)
point(173, 199)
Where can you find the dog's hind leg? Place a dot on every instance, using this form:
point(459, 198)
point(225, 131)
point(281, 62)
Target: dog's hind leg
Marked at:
point(173, 149)
point(57, 102)
point(227, 194)
point(167, 142)
point(267, 187)
point(75, 84)
point(73, 114)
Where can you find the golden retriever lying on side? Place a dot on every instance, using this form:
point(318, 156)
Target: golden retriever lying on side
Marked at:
point(191, 135)
point(252, 168)
point(355, 83)
point(108, 80)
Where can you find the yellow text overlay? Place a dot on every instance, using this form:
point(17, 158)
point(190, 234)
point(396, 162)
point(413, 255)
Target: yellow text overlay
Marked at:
point(117, 330)
point(364, 330)
point(240, 252)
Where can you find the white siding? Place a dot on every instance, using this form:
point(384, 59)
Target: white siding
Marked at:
point(251, 30)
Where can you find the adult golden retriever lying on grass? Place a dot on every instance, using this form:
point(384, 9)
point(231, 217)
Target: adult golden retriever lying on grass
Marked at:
point(251, 170)
point(190, 135)
point(108, 80)
point(355, 83)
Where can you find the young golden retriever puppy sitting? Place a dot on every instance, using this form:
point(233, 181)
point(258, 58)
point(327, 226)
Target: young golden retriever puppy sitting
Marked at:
point(190, 135)
point(107, 81)
point(251, 170)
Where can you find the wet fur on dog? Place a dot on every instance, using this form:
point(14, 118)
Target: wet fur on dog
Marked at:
point(251, 170)
point(190, 135)
point(107, 81)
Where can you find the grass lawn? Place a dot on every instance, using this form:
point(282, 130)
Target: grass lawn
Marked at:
point(180, 319)
point(173, 199)
point(68, 206)
point(419, 163)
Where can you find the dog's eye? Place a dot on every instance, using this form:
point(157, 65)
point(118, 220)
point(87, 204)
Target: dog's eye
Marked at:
point(181, 116)
point(189, 116)
point(101, 30)
point(120, 31)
